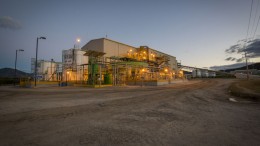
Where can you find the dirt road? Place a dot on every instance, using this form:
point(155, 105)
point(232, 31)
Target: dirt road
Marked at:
point(189, 113)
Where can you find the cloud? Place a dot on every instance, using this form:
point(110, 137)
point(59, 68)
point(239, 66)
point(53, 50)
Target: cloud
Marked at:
point(7, 22)
point(252, 48)
point(239, 59)
point(230, 59)
point(233, 49)
point(234, 59)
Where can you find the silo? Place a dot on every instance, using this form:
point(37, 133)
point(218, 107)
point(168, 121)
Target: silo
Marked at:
point(194, 73)
point(107, 78)
point(198, 73)
point(212, 74)
point(205, 73)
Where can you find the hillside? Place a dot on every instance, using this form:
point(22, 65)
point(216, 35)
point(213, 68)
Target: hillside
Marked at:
point(251, 66)
point(9, 73)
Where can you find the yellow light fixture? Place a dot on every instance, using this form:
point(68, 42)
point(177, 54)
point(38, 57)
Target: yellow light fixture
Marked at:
point(166, 70)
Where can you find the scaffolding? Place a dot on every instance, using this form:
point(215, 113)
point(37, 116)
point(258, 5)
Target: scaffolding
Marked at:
point(95, 64)
point(133, 67)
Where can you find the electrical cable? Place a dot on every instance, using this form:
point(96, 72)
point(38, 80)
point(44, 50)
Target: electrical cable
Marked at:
point(256, 27)
point(255, 18)
point(249, 21)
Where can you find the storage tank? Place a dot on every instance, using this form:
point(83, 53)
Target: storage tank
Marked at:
point(107, 78)
point(205, 73)
point(196, 73)
point(212, 74)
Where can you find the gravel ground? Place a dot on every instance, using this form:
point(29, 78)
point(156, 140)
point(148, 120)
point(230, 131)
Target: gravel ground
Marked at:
point(197, 112)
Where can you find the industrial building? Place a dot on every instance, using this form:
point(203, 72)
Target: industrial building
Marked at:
point(107, 62)
point(70, 69)
point(47, 70)
point(104, 61)
point(112, 62)
point(203, 73)
point(73, 61)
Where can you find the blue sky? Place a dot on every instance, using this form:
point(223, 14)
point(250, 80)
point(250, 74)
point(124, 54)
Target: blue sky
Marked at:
point(197, 32)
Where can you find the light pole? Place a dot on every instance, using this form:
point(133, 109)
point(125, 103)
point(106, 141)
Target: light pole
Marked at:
point(35, 69)
point(20, 50)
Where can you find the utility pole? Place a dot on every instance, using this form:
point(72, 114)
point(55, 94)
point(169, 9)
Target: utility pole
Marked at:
point(20, 50)
point(247, 73)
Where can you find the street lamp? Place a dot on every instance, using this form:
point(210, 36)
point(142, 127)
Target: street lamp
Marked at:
point(35, 69)
point(76, 45)
point(20, 50)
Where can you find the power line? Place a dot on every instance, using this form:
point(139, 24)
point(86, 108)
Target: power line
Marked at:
point(246, 39)
point(249, 20)
point(255, 17)
point(256, 27)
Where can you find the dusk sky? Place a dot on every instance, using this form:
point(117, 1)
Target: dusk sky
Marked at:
point(197, 32)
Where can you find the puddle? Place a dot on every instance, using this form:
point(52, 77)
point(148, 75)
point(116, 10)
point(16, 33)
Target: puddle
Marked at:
point(232, 99)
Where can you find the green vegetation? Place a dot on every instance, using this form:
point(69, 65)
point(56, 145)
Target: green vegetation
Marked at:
point(8, 81)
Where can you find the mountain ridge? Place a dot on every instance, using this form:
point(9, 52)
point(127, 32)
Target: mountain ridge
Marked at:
point(10, 73)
